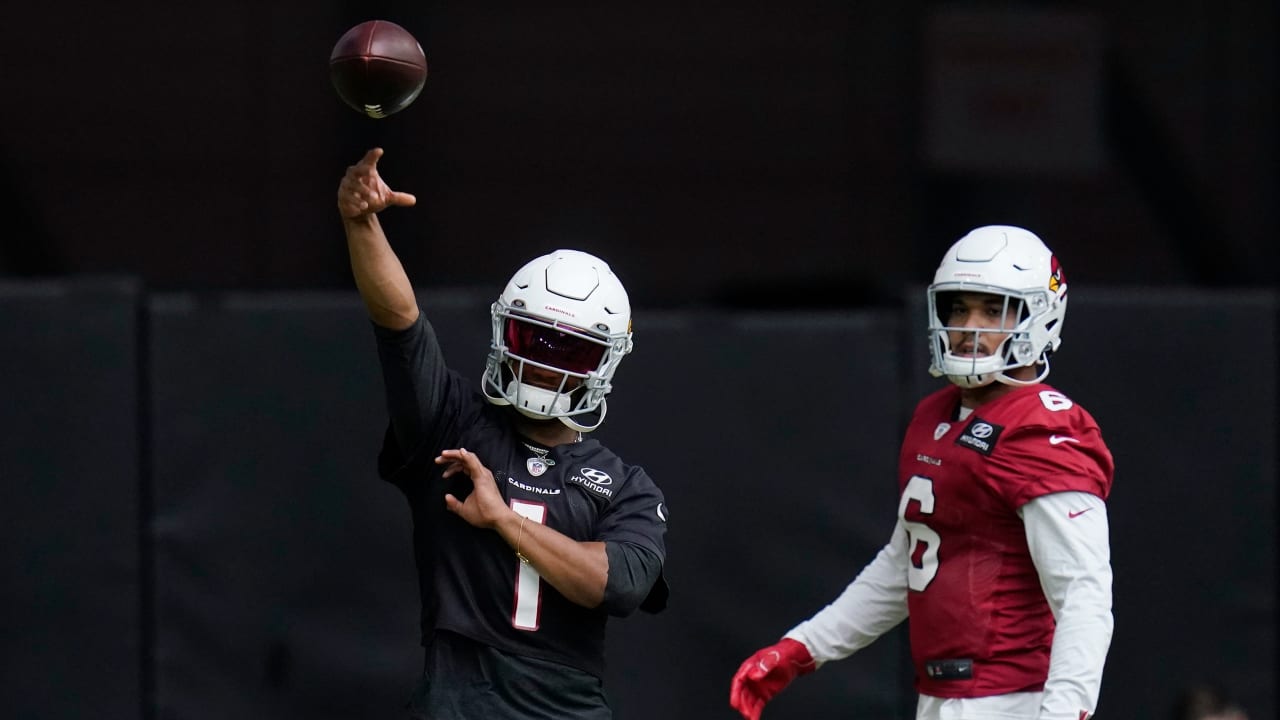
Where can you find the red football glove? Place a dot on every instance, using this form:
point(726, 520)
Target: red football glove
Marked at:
point(766, 673)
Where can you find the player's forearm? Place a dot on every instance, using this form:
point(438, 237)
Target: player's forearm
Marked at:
point(1068, 536)
point(1079, 652)
point(874, 603)
point(379, 275)
point(1081, 639)
point(578, 570)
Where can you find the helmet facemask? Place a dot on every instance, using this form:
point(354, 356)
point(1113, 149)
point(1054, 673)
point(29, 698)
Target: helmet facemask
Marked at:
point(549, 368)
point(583, 363)
point(1023, 325)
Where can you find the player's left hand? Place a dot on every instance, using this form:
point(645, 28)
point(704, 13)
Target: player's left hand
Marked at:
point(766, 673)
point(484, 506)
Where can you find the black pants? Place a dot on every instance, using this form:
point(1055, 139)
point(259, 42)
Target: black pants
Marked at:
point(466, 680)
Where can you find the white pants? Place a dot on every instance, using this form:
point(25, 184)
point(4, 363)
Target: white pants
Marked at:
point(1013, 706)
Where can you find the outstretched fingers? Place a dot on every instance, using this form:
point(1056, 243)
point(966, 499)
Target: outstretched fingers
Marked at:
point(370, 159)
point(363, 191)
point(460, 459)
point(464, 461)
point(401, 199)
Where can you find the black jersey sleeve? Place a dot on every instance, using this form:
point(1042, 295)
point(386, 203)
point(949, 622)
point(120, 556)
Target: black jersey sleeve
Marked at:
point(425, 399)
point(636, 514)
point(413, 370)
point(633, 572)
point(634, 528)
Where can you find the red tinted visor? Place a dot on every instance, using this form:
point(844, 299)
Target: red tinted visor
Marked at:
point(556, 348)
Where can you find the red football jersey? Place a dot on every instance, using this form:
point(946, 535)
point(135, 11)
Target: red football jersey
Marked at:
point(974, 593)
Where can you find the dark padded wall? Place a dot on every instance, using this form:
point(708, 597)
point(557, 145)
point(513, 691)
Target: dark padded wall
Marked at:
point(1183, 384)
point(284, 571)
point(285, 579)
point(277, 579)
point(69, 478)
point(774, 439)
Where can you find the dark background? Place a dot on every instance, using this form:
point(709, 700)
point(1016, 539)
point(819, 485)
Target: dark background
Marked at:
point(191, 526)
point(762, 153)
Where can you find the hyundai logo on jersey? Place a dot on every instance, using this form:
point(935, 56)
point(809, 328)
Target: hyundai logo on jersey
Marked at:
point(593, 480)
point(980, 435)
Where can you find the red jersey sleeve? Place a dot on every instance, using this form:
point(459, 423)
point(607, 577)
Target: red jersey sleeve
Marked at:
point(1055, 447)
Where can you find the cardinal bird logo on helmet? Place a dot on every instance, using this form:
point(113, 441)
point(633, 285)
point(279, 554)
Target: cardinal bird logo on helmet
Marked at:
point(1057, 280)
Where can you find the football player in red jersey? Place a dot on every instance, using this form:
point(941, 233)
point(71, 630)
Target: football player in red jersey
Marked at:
point(1000, 558)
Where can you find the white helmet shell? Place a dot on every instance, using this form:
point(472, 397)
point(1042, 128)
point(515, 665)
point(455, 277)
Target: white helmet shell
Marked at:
point(1015, 264)
point(568, 314)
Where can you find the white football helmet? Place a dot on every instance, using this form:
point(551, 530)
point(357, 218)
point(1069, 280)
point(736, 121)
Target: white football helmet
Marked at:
point(1014, 264)
point(566, 313)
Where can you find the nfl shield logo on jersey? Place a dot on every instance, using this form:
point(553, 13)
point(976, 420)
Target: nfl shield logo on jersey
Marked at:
point(536, 466)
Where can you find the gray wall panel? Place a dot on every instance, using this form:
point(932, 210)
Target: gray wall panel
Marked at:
point(69, 477)
point(1184, 386)
point(774, 437)
point(285, 585)
point(285, 573)
point(284, 582)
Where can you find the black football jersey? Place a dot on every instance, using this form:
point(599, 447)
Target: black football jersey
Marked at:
point(470, 579)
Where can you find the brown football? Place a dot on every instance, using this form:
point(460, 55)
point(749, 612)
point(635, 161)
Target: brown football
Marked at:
point(378, 68)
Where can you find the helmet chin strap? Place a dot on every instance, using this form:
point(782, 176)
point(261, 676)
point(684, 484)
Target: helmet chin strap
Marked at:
point(573, 421)
point(1043, 362)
